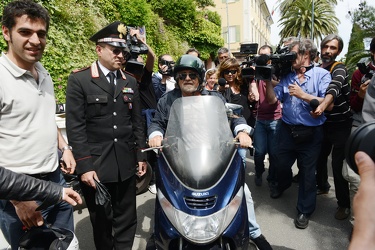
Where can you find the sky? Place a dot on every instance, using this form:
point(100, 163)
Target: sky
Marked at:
point(344, 28)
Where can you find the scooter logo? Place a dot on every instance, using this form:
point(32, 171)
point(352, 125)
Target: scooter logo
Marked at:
point(197, 194)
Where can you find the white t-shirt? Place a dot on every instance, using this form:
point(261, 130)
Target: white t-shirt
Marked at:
point(28, 131)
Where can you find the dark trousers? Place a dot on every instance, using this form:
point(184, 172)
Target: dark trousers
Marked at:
point(306, 154)
point(335, 137)
point(113, 226)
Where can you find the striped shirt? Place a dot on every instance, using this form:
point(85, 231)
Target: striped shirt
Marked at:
point(339, 88)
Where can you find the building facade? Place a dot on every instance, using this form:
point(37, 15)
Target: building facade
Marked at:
point(244, 21)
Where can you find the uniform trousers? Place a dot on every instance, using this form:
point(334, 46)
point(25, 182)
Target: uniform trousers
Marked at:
point(114, 224)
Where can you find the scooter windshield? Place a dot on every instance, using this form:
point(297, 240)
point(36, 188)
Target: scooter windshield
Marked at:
point(198, 143)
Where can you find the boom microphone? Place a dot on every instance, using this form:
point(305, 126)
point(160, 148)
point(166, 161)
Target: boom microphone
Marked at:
point(314, 103)
point(222, 82)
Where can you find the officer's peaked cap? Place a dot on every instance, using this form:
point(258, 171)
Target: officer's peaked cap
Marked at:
point(113, 34)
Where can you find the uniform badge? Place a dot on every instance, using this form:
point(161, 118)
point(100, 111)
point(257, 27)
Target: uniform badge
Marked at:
point(127, 90)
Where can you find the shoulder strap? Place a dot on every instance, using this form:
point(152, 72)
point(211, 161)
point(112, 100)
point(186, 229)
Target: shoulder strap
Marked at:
point(334, 65)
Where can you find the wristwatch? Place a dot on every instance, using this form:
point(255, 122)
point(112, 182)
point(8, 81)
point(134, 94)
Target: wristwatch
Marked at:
point(67, 147)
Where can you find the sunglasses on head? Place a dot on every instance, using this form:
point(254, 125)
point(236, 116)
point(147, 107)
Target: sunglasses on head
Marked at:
point(183, 76)
point(226, 72)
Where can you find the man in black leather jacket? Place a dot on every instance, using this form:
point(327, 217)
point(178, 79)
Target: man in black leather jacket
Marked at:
point(15, 186)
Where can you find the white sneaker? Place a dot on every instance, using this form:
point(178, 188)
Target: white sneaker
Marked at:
point(152, 188)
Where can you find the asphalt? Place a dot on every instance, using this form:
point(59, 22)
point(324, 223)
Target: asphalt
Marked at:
point(275, 217)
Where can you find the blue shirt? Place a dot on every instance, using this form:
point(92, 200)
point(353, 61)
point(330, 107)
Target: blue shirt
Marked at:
point(296, 111)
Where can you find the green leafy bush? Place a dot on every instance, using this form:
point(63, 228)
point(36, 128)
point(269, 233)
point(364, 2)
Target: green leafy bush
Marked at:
point(172, 26)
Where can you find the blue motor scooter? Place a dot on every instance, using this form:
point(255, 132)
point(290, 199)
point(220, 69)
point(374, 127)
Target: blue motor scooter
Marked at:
point(200, 180)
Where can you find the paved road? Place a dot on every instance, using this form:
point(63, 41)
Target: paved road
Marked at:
point(275, 218)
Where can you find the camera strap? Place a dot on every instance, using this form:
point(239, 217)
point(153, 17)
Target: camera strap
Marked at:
point(333, 66)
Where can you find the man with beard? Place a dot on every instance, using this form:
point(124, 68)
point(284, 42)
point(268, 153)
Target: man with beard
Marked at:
point(337, 127)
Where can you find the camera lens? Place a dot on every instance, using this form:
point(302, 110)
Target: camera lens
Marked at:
point(362, 139)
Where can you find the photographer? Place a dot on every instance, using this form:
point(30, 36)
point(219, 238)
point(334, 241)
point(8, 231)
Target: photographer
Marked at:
point(359, 85)
point(369, 99)
point(143, 74)
point(266, 131)
point(301, 135)
point(163, 80)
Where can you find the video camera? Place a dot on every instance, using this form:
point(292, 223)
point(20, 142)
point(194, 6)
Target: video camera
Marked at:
point(364, 67)
point(281, 64)
point(170, 67)
point(134, 49)
point(251, 49)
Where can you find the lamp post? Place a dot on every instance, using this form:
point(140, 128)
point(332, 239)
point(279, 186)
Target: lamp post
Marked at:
point(312, 21)
point(226, 4)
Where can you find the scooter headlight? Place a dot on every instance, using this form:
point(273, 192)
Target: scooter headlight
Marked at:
point(201, 229)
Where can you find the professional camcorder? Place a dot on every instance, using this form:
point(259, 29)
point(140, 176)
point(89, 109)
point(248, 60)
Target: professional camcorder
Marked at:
point(134, 49)
point(281, 64)
point(364, 66)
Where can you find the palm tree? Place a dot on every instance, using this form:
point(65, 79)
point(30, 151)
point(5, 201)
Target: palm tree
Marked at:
point(296, 18)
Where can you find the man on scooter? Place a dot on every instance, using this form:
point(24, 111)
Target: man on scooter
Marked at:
point(189, 73)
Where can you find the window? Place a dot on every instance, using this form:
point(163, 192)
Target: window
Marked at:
point(233, 34)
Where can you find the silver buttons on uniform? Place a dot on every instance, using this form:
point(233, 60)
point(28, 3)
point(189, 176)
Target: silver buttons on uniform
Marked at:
point(114, 127)
point(115, 140)
point(114, 113)
point(97, 99)
point(114, 100)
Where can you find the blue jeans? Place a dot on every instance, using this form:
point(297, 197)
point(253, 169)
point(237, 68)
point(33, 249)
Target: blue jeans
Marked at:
point(306, 154)
point(266, 139)
point(254, 229)
point(59, 215)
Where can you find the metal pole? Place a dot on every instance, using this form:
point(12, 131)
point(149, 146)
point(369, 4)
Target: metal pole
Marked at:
point(312, 21)
point(226, 4)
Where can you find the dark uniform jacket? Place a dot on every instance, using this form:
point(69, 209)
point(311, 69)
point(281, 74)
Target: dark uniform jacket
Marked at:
point(104, 128)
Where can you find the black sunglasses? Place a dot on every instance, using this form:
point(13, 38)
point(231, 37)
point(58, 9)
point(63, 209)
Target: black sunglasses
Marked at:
point(183, 76)
point(226, 72)
point(116, 51)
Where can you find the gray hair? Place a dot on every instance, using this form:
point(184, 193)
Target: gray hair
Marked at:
point(222, 50)
point(330, 38)
point(305, 45)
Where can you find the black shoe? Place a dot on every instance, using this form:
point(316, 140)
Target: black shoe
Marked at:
point(295, 178)
point(275, 192)
point(302, 221)
point(258, 180)
point(262, 243)
point(322, 191)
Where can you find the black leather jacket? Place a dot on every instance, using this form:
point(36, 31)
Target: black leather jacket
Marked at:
point(21, 187)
